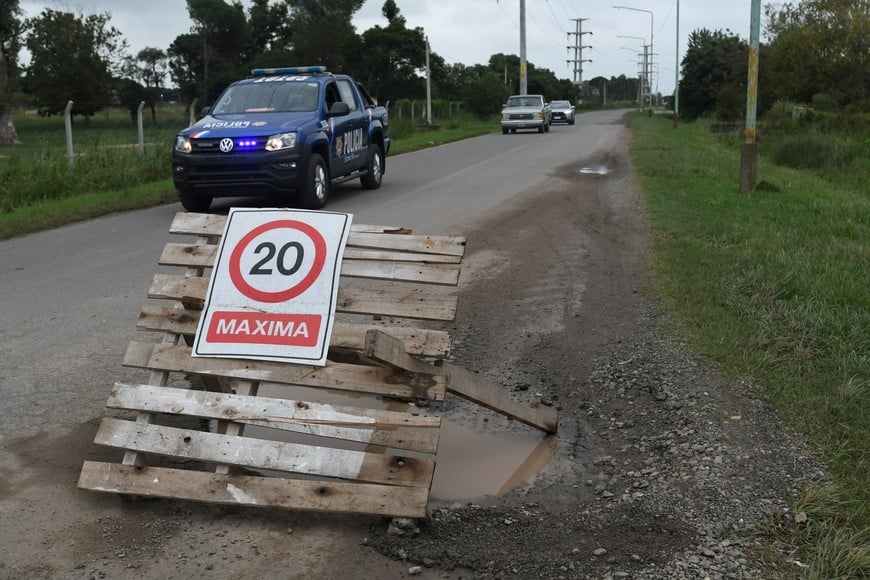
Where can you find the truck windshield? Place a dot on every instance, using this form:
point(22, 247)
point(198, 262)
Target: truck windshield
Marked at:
point(523, 102)
point(268, 97)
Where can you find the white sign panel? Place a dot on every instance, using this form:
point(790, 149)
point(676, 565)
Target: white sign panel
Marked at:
point(274, 286)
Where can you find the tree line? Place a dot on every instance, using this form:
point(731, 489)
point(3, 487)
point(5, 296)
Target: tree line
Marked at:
point(816, 53)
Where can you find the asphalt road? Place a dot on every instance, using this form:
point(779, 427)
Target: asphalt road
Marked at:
point(70, 297)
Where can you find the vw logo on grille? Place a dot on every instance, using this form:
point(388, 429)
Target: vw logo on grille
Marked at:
point(226, 145)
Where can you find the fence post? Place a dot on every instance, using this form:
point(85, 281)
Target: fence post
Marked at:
point(67, 121)
point(139, 125)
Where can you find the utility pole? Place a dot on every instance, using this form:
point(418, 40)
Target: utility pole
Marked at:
point(749, 149)
point(578, 47)
point(524, 79)
point(677, 73)
point(642, 73)
point(428, 87)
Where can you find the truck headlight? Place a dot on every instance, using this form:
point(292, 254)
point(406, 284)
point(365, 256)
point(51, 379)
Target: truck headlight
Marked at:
point(182, 144)
point(281, 141)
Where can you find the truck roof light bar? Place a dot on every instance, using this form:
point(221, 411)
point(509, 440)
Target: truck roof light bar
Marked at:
point(288, 70)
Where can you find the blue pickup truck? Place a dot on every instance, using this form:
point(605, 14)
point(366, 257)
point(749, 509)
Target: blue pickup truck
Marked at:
point(290, 132)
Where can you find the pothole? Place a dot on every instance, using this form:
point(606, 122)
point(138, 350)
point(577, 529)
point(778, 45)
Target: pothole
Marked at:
point(471, 463)
point(594, 170)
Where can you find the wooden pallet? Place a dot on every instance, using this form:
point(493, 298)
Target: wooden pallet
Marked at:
point(274, 440)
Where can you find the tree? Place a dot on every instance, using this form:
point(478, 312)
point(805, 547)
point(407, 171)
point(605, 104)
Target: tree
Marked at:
point(10, 28)
point(150, 69)
point(711, 65)
point(820, 47)
point(224, 35)
point(72, 58)
point(269, 36)
point(394, 58)
point(486, 94)
point(322, 33)
point(185, 65)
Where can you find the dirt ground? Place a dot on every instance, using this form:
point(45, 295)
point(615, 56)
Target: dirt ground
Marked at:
point(661, 468)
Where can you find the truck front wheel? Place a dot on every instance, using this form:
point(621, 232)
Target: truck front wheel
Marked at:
point(315, 189)
point(375, 170)
point(194, 202)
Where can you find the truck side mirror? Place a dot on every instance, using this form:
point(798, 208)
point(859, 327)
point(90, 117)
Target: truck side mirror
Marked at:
point(338, 109)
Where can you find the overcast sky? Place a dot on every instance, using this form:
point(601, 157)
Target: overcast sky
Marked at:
point(470, 31)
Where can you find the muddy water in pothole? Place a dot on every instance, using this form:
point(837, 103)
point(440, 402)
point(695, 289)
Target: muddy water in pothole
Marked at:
point(472, 461)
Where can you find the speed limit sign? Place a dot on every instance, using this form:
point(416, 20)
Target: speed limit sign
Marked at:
point(274, 286)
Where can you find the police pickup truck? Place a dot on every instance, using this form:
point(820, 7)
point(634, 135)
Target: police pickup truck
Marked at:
point(290, 131)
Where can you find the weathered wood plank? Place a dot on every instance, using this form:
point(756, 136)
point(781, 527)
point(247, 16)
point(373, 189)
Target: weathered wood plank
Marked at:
point(367, 236)
point(449, 245)
point(419, 341)
point(424, 303)
point(355, 253)
point(371, 426)
point(413, 302)
point(263, 454)
point(246, 490)
point(380, 381)
point(200, 224)
point(192, 255)
point(189, 255)
point(382, 347)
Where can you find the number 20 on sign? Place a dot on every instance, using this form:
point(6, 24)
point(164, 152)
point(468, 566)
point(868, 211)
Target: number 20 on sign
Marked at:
point(274, 286)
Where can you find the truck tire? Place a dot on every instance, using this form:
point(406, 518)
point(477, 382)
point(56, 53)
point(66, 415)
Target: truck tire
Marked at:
point(194, 202)
point(540, 128)
point(314, 191)
point(374, 170)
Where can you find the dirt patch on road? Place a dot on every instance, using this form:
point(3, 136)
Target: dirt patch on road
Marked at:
point(660, 467)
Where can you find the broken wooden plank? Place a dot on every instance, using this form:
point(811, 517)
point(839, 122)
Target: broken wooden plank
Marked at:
point(264, 454)
point(380, 381)
point(247, 490)
point(449, 245)
point(384, 348)
point(370, 426)
point(425, 303)
point(420, 341)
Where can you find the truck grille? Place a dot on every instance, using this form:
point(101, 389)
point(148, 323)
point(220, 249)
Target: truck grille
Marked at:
point(240, 144)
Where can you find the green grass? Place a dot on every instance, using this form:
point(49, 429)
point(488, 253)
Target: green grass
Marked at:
point(39, 189)
point(774, 284)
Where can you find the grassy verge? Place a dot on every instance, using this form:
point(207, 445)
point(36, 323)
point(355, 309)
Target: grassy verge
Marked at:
point(775, 285)
point(39, 190)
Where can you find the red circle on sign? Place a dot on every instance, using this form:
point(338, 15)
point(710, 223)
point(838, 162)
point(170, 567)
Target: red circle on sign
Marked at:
point(295, 290)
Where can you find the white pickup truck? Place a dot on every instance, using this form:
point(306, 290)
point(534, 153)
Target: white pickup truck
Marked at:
point(526, 112)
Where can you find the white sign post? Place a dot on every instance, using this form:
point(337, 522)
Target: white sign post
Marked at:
point(274, 286)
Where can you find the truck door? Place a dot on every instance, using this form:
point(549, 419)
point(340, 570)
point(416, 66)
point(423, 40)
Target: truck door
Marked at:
point(349, 132)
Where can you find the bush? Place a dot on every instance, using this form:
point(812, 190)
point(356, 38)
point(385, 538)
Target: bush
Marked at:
point(804, 151)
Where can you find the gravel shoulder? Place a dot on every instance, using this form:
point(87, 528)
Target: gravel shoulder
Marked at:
point(661, 468)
